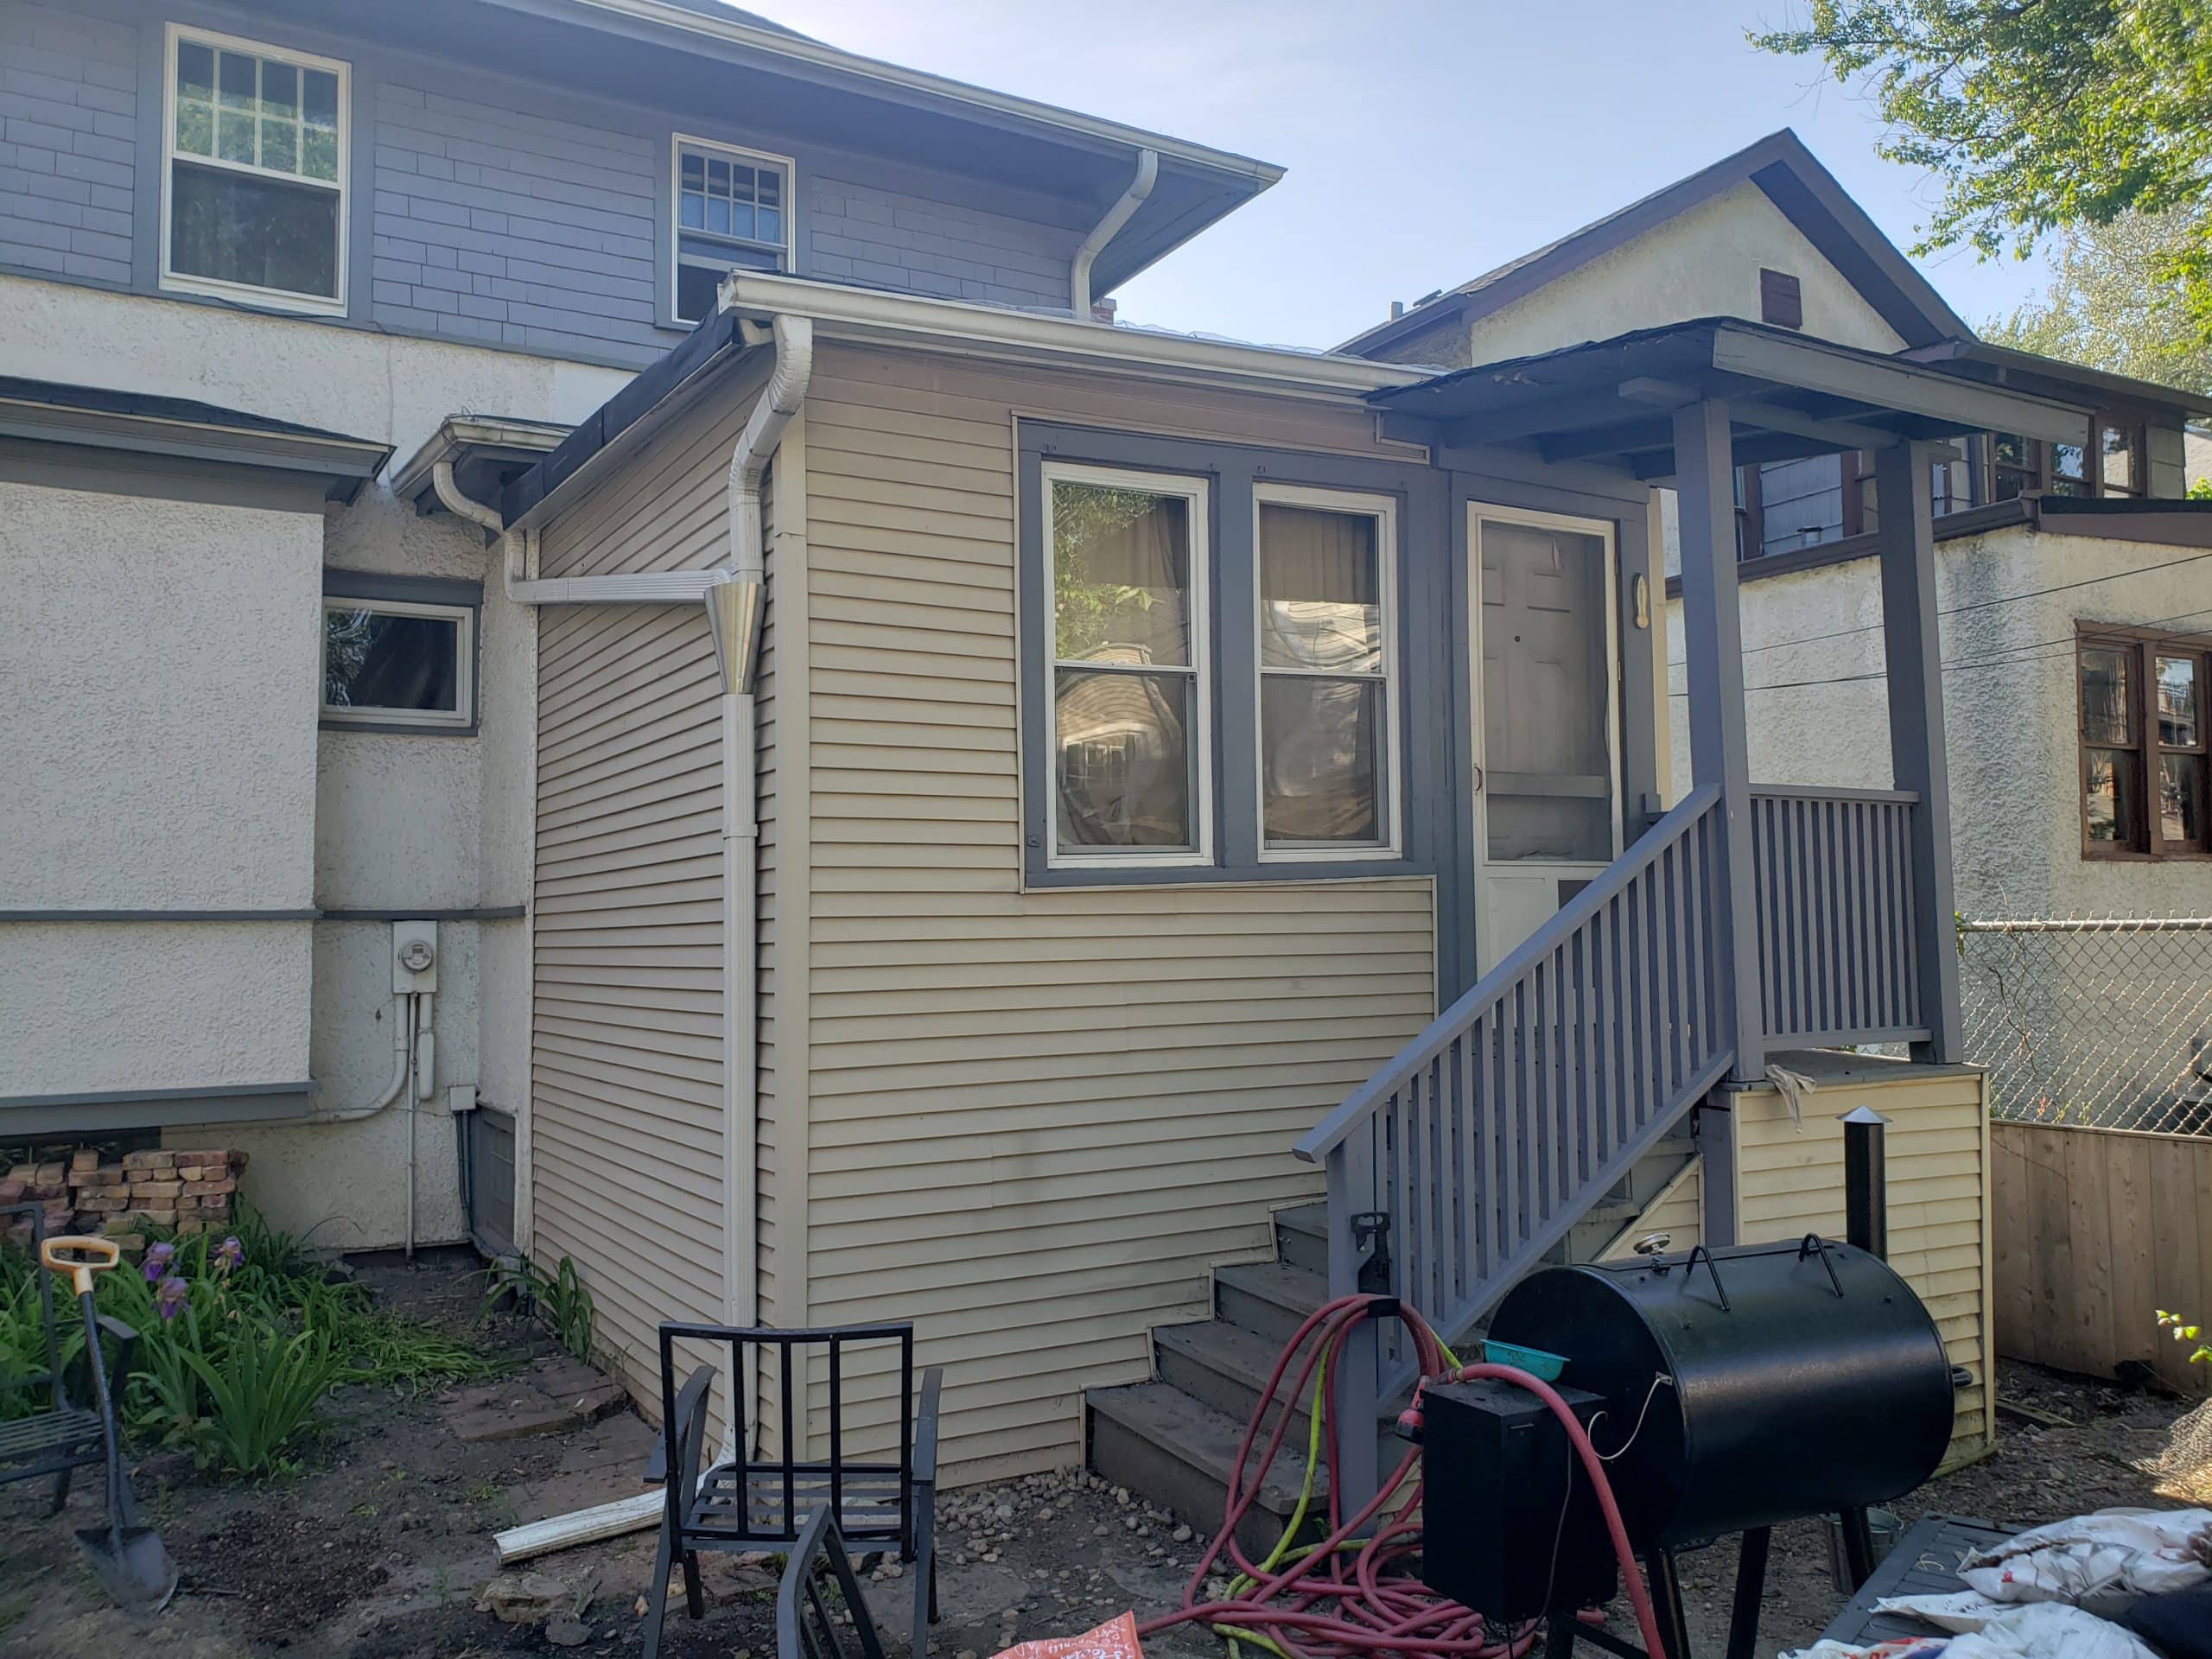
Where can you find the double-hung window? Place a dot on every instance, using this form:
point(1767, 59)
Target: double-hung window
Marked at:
point(1125, 554)
point(253, 186)
point(733, 211)
point(1326, 653)
point(2146, 745)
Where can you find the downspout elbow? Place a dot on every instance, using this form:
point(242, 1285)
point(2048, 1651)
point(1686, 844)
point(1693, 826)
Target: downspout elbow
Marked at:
point(748, 462)
point(1108, 228)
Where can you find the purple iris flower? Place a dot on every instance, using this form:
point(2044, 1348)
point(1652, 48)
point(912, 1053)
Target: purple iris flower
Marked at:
point(229, 1253)
point(169, 1297)
point(157, 1261)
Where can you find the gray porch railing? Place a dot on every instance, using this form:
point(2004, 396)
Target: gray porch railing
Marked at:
point(1838, 960)
point(1491, 1133)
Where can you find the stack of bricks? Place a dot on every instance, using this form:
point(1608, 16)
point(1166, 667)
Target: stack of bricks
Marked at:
point(157, 1193)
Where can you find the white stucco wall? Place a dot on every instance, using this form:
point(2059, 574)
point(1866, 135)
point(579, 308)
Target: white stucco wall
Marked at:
point(157, 664)
point(1704, 262)
point(379, 821)
point(2009, 706)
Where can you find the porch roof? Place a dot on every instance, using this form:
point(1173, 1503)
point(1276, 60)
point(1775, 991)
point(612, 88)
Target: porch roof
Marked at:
point(1787, 397)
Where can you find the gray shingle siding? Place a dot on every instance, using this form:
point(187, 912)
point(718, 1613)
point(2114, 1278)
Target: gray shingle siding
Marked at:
point(864, 232)
point(68, 120)
point(495, 225)
point(510, 206)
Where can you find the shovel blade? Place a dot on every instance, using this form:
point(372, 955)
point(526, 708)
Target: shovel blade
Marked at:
point(132, 1565)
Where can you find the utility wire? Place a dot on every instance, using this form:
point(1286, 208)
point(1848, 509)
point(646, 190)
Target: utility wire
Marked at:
point(1985, 604)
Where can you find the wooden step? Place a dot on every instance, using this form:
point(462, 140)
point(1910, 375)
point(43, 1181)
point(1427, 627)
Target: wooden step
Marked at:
point(1269, 1299)
point(1223, 1366)
point(1178, 1452)
point(1302, 1237)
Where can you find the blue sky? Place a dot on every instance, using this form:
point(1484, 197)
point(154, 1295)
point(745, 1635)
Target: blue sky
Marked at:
point(1426, 141)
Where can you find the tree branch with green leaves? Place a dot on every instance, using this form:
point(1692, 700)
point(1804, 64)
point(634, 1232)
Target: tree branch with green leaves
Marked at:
point(2038, 116)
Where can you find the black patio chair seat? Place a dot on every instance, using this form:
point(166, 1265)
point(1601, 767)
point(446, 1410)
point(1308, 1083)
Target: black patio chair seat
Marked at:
point(754, 1500)
point(752, 1505)
point(48, 1434)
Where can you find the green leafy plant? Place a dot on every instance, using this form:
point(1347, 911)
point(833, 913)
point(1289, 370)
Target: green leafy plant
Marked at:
point(559, 1298)
point(262, 1395)
point(2183, 1331)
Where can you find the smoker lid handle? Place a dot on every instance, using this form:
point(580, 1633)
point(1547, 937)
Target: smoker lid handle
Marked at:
point(1961, 1379)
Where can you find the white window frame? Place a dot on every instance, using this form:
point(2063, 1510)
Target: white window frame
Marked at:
point(1384, 510)
point(177, 282)
point(677, 143)
point(461, 717)
point(1197, 494)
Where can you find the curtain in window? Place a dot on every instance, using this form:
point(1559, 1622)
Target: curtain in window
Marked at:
point(1322, 716)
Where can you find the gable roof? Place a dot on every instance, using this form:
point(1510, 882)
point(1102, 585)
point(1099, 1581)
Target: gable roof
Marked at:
point(1786, 172)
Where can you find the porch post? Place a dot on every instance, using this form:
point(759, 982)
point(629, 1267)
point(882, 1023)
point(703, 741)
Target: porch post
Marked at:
point(1712, 651)
point(1905, 527)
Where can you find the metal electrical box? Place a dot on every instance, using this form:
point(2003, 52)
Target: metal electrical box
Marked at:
point(1512, 1527)
point(414, 956)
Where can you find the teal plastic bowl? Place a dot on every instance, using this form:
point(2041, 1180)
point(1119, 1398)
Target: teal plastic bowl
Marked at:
point(1544, 1367)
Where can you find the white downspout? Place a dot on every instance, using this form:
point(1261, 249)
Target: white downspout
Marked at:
point(737, 614)
point(1108, 228)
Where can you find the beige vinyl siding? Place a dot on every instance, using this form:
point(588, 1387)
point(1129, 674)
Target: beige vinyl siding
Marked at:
point(1790, 1183)
point(626, 1029)
point(1678, 1212)
point(1035, 1120)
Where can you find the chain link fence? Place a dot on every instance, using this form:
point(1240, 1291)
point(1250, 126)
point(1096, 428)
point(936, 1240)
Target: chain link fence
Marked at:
point(2106, 1024)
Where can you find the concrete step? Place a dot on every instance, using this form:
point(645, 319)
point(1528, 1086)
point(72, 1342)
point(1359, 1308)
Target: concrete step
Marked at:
point(1302, 1237)
point(1269, 1299)
point(1223, 1366)
point(1178, 1452)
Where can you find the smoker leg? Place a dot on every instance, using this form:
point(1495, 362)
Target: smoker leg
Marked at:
point(1666, 1582)
point(1751, 1590)
point(1559, 1636)
point(1858, 1548)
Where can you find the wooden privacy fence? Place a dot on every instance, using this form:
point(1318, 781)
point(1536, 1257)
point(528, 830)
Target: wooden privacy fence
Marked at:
point(2096, 1230)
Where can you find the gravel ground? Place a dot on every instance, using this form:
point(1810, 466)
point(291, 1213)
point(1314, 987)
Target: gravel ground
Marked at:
point(379, 1548)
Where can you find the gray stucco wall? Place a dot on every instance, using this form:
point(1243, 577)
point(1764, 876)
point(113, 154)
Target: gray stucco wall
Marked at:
point(484, 205)
point(68, 124)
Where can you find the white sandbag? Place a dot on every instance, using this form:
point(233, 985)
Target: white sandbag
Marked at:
point(2112, 1555)
point(1958, 1612)
point(2046, 1630)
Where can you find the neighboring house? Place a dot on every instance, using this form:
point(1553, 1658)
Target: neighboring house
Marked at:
point(2075, 583)
point(1016, 821)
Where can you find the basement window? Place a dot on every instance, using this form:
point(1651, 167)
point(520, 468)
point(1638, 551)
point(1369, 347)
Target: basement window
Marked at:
point(393, 663)
point(253, 183)
point(733, 213)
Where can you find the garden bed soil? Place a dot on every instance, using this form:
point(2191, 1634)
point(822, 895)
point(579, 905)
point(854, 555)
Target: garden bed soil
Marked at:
point(378, 1548)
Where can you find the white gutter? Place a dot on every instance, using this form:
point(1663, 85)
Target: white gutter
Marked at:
point(841, 312)
point(1108, 228)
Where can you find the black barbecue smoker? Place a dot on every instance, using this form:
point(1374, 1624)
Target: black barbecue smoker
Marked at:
point(1727, 1389)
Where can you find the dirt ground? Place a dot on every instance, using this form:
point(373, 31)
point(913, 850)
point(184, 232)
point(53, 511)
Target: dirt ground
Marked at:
point(378, 1548)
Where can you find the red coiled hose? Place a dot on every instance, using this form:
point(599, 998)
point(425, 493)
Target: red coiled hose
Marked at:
point(1332, 1600)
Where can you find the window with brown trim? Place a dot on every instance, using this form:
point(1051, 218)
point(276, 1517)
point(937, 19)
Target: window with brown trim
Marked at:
point(2022, 465)
point(2144, 731)
point(2121, 470)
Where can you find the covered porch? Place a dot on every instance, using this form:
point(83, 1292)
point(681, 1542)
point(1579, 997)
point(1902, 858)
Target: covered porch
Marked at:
point(1749, 918)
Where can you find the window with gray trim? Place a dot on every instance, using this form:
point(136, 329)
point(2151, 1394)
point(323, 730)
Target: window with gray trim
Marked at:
point(399, 653)
point(733, 213)
point(1201, 717)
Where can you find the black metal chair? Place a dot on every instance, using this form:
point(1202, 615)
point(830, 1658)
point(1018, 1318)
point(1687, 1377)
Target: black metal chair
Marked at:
point(750, 1501)
point(61, 1437)
point(806, 1625)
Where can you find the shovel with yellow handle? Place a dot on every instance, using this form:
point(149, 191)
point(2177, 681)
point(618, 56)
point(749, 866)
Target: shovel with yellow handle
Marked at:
point(127, 1559)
